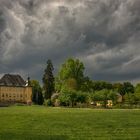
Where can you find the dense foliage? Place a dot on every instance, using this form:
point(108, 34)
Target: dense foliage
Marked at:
point(48, 80)
point(71, 73)
point(37, 96)
point(72, 88)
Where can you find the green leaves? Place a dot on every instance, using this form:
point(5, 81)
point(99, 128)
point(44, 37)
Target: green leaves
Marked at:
point(37, 96)
point(104, 95)
point(72, 69)
point(71, 73)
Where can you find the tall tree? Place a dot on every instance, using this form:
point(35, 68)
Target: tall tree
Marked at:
point(72, 69)
point(128, 87)
point(124, 88)
point(87, 85)
point(48, 80)
point(100, 85)
point(119, 88)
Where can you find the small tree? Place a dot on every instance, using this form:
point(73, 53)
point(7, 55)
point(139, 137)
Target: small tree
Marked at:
point(48, 80)
point(124, 88)
point(68, 97)
point(112, 95)
point(103, 95)
point(64, 99)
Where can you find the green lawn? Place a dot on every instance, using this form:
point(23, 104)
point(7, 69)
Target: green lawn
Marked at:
point(42, 123)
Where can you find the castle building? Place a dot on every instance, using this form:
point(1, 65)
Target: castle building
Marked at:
point(13, 89)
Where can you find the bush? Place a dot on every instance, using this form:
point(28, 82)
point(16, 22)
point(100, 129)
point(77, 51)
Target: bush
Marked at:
point(99, 95)
point(112, 95)
point(48, 102)
point(82, 97)
point(73, 98)
point(104, 96)
point(67, 98)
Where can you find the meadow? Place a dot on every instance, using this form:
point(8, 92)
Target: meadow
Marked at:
point(43, 123)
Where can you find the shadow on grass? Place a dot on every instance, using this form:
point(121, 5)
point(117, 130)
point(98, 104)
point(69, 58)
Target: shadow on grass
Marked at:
point(12, 136)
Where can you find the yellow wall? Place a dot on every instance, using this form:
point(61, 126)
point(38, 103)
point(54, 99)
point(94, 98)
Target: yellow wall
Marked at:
point(15, 94)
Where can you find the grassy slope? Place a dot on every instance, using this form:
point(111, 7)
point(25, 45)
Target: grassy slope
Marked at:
point(40, 123)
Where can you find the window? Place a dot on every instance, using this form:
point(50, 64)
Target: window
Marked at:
point(14, 95)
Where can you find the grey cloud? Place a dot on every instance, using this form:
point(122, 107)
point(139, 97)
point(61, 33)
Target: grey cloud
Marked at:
point(104, 34)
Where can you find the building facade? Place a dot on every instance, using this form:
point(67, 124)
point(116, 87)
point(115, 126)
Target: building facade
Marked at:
point(14, 89)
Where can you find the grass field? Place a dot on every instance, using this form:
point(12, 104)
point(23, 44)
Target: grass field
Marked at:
point(42, 123)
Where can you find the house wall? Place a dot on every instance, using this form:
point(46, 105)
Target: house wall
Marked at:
point(119, 99)
point(15, 94)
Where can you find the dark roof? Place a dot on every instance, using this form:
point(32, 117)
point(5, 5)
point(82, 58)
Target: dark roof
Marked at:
point(12, 80)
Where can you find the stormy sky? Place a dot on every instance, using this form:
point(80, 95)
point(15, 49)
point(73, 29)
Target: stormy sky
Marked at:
point(103, 34)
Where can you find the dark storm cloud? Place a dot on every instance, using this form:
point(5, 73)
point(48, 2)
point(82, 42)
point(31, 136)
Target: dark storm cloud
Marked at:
point(104, 34)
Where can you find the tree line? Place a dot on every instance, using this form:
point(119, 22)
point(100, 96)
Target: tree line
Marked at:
point(71, 87)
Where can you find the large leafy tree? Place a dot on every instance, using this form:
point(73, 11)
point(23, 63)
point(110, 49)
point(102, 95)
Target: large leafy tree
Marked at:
point(48, 80)
point(128, 87)
point(87, 85)
point(37, 96)
point(124, 88)
point(119, 88)
point(100, 85)
point(71, 69)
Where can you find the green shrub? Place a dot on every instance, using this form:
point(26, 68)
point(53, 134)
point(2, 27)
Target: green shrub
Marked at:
point(82, 97)
point(48, 102)
point(67, 98)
